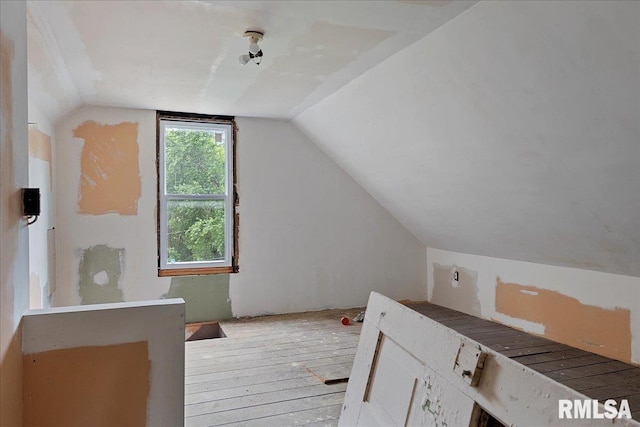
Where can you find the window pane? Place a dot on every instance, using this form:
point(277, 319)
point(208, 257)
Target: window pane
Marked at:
point(194, 161)
point(196, 230)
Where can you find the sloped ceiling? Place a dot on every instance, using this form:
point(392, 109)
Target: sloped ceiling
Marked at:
point(512, 131)
point(183, 55)
point(507, 129)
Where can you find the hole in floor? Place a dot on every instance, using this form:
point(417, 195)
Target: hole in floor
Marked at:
point(203, 331)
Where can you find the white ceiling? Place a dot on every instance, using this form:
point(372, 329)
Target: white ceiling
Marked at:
point(507, 129)
point(183, 55)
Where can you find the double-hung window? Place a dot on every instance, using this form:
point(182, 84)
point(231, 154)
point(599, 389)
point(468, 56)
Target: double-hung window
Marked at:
point(196, 195)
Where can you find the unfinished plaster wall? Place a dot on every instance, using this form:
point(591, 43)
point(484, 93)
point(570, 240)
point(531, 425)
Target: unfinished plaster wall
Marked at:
point(594, 311)
point(42, 233)
point(310, 237)
point(14, 251)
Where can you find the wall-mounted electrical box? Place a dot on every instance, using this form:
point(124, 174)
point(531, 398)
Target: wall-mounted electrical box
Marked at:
point(31, 203)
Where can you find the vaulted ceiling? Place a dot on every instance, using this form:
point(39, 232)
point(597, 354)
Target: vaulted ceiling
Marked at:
point(183, 55)
point(507, 129)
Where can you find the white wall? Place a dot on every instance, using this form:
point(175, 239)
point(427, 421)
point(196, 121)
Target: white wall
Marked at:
point(591, 288)
point(310, 237)
point(511, 131)
point(14, 249)
point(41, 175)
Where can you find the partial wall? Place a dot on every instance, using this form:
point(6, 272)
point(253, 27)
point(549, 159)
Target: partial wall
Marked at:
point(597, 312)
point(310, 237)
point(14, 250)
point(113, 364)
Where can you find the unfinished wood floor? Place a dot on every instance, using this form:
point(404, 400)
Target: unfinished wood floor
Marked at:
point(269, 371)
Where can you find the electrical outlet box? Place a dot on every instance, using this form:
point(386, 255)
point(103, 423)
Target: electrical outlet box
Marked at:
point(30, 201)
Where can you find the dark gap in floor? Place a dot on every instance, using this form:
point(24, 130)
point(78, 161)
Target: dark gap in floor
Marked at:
point(203, 331)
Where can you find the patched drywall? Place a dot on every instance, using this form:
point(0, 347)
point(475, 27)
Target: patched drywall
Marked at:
point(40, 148)
point(98, 386)
point(206, 297)
point(357, 246)
point(99, 274)
point(461, 294)
point(134, 234)
point(108, 364)
point(594, 311)
point(567, 320)
point(110, 174)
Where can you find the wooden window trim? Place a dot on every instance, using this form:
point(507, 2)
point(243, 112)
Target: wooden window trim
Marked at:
point(235, 216)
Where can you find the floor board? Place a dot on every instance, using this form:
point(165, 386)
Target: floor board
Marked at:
point(269, 371)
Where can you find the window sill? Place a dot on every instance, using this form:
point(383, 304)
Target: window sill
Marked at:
point(196, 271)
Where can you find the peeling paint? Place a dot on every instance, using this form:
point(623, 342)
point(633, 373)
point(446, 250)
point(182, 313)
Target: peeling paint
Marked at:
point(110, 172)
point(83, 385)
point(567, 320)
point(206, 297)
point(461, 295)
point(99, 274)
point(40, 148)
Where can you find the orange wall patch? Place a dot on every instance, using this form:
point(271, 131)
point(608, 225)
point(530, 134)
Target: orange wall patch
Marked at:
point(567, 320)
point(109, 168)
point(87, 386)
point(40, 148)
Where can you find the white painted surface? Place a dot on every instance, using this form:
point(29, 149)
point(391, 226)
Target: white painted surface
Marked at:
point(14, 238)
point(589, 287)
point(511, 392)
point(183, 56)
point(160, 323)
point(41, 177)
point(310, 237)
point(511, 131)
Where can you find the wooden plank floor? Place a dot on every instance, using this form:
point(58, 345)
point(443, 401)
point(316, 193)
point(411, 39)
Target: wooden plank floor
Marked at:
point(595, 376)
point(267, 371)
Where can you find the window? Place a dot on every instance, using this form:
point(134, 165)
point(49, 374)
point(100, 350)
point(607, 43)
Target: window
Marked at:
point(196, 195)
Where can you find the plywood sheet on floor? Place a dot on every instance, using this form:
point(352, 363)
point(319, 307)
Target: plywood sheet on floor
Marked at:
point(266, 372)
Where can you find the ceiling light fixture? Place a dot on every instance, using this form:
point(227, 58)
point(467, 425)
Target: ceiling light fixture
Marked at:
point(255, 53)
